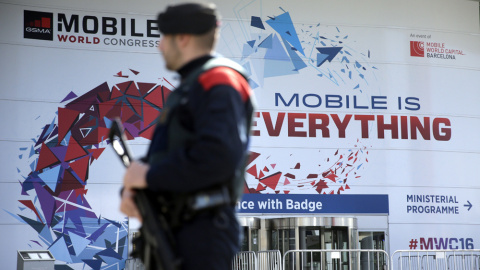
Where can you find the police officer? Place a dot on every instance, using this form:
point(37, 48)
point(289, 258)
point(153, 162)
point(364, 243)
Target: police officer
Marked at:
point(199, 148)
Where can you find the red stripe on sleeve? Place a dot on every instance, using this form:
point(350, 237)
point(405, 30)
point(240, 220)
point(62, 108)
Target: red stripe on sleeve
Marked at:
point(225, 76)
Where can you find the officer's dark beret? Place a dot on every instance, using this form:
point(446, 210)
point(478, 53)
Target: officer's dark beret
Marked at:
point(188, 18)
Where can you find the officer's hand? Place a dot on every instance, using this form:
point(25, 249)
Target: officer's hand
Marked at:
point(128, 206)
point(136, 176)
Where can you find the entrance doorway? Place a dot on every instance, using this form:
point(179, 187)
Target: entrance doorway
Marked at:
point(314, 233)
point(250, 227)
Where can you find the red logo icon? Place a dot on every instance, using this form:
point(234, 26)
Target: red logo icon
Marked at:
point(38, 25)
point(41, 22)
point(417, 48)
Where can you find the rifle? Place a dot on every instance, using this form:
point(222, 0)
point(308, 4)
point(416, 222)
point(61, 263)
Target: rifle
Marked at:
point(155, 234)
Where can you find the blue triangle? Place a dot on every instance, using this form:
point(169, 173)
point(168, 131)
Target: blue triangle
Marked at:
point(60, 250)
point(277, 52)
point(321, 58)
point(94, 264)
point(283, 25)
point(330, 51)
point(246, 66)
point(274, 68)
point(108, 122)
point(253, 84)
point(66, 139)
point(257, 22)
point(298, 63)
point(79, 243)
point(247, 51)
point(266, 43)
point(50, 177)
point(251, 43)
point(32, 152)
point(33, 164)
point(47, 236)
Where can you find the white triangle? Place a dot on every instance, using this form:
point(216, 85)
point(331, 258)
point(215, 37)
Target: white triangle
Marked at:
point(87, 130)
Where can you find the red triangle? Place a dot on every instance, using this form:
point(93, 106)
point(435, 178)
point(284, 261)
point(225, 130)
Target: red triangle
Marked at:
point(252, 157)
point(124, 86)
point(147, 133)
point(102, 133)
point(245, 188)
point(286, 182)
point(134, 71)
point(136, 104)
point(330, 175)
point(69, 182)
point(96, 152)
point(297, 166)
point(145, 87)
point(29, 204)
point(320, 186)
point(286, 191)
point(155, 97)
point(253, 171)
point(80, 191)
point(74, 150)
point(66, 118)
point(346, 186)
point(138, 125)
point(80, 167)
point(115, 111)
point(115, 93)
point(105, 107)
point(266, 169)
point(132, 90)
point(46, 157)
point(104, 96)
point(91, 138)
point(272, 180)
point(341, 188)
point(261, 175)
point(126, 113)
point(260, 187)
point(149, 114)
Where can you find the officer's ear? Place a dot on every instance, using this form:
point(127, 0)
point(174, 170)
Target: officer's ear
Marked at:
point(183, 40)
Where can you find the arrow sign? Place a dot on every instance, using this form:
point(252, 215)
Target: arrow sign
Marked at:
point(469, 205)
point(327, 54)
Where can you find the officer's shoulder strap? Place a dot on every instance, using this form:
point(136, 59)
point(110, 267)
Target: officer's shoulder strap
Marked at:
point(224, 62)
point(213, 63)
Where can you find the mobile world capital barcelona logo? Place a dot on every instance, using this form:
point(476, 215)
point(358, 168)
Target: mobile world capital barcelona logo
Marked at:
point(37, 25)
point(433, 50)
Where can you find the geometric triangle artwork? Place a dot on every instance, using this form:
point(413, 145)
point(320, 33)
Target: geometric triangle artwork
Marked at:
point(46, 158)
point(50, 177)
point(79, 243)
point(283, 25)
point(80, 167)
point(74, 150)
point(331, 52)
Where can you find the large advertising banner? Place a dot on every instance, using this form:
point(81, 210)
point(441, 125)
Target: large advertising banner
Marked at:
point(357, 114)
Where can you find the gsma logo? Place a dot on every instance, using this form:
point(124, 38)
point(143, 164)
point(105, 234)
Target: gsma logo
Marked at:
point(37, 25)
point(417, 48)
